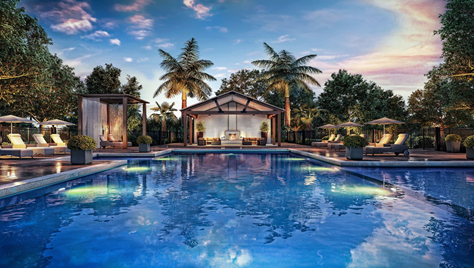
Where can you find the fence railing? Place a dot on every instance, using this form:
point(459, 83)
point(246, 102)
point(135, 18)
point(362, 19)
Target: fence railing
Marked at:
point(423, 138)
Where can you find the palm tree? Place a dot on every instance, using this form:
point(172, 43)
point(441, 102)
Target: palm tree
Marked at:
point(306, 114)
point(185, 75)
point(284, 72)
point(165, 113)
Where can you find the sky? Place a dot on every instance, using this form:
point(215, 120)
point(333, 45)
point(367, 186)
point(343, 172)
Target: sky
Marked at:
point(390, 42)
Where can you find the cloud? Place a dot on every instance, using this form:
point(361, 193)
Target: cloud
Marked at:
point(142, 60)
point(401, 59)
point(136, 6)
point(97, 35)
point(147, 47)
point(128, 59)
point(110, 25)
point(160, 40)
point(221, 29)
point(165, 45)
point(220, 75)
point(115, 42)
point(69, 17)
point(219, 68)
point(201, 11)
point(237, 41)
point(284, 38)
point(140, 22)
point(77, 61)
point(244, 62)
point(140, 35)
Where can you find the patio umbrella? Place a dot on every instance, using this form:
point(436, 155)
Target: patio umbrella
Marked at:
point(328, 126)
point(349, 124)
point(14, 119)
point(56, 122)
point(384, 121)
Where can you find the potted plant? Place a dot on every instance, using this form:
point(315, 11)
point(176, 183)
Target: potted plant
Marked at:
point(144, 142)
point(264, 129)
point(200, 128)
point(81, 149)
point(355, 147)
point(469, 144)
point(453, 143)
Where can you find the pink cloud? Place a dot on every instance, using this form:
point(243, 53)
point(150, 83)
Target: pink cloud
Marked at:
point(140, 22)
point(136, 6)
point(69, 17)
point(201, 11)
point(401, 59)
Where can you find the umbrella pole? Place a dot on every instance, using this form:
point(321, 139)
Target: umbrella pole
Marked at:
point(11, 127)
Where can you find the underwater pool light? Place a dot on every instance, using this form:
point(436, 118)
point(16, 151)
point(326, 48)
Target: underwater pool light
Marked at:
point(137, 169)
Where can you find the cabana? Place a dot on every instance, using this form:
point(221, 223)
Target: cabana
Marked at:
point(231, 117)
point(104, 114)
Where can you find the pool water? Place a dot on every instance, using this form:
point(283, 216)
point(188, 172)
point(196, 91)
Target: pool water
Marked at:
point(229, 210)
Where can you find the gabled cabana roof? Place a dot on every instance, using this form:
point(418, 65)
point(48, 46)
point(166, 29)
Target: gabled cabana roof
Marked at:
point(250, 105)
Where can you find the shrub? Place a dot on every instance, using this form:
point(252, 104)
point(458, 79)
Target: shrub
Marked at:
point(469, 142)
point(144, 139)
point(264, 126)
point(200, 126)
point(81, 143)
point(453, 137)
point(419, 141)
point(325, 138)
point(355, 142)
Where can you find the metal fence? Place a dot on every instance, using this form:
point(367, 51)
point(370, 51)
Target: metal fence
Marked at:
point(423, 138)
point(165, 137)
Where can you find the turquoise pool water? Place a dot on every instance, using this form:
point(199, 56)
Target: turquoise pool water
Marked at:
point(229, 210)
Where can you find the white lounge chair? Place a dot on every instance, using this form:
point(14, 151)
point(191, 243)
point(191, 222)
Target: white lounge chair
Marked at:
point(105, 143)
point(19, 144)
point(16, 152)
point(323, 143)
point(57, 140)
point(41, 142)
point(398, 147)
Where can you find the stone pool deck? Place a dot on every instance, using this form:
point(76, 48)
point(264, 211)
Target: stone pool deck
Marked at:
point(19, 175)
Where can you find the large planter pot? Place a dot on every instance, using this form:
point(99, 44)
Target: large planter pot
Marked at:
point(143, 147)
point(200, 135)
point(470, 153)
point(354, 153)
point(453, 146)
point(264, 135)
point(81, 157)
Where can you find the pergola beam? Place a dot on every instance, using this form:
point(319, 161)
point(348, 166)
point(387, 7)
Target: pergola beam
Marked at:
point(218, 106)
point(246, 105)
point(233, 112)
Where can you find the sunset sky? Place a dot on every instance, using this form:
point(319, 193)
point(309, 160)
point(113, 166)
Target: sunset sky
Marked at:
point(390, 42)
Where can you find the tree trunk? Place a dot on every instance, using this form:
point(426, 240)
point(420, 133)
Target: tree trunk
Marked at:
point(287, 112)
point(163, 124)
point(183, 100)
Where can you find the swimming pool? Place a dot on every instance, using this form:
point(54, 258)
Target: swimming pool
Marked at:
point(229, 210)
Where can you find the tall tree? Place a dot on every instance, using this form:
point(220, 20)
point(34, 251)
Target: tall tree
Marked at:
point(104, 80)
point(284, 72)
point(307, 113)
point(185, 75)
point(246, 82)
point(24, 54)
point(457, 34)
point(165, 113)
point(349, 97)
point(132, 87)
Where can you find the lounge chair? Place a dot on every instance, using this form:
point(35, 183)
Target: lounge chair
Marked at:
point(324, 143)
point(16, 152)
point(41, 142)
point(57, 140)
point(382, 142)
point(108, 143)
point(19, 144)
point(398, 147)
point(112, 139)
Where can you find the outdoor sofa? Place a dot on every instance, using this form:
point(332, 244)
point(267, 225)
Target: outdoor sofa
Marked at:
point(335, 139)
point(258, 141)
point(16, 152)
point(41, 142)
point(212, 141)
point(111, 142)
point(398, 147)
point(19, 144)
